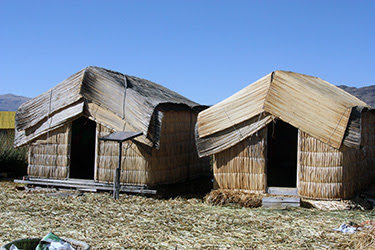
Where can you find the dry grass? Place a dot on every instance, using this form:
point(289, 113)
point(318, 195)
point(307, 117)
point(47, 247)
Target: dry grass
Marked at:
point(140, 222)
point(364, 240)
point(223, 197)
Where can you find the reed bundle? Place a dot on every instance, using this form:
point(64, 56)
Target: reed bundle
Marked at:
point(223, 197)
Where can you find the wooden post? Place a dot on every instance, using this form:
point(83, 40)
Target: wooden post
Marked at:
point(116, 187)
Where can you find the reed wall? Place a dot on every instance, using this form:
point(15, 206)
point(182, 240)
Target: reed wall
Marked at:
point(135, 162)
point(360, 163)
point(49, 154)
point(367, 160)
point(175, 160)
point(243, 166)
point(328, 173)
point(354, 172)
point(320, 170)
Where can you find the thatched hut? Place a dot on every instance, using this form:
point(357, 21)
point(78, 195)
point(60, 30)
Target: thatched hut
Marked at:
point(62, 127)
point(290, 130)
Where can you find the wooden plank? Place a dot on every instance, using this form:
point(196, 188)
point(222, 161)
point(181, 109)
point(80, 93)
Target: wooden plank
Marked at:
point(86, 184)
point(280, 202)
point(281, 199)
point(70, 181)
point(74, 181)
point(282, 191)
point(91, 190)
point(128, 189)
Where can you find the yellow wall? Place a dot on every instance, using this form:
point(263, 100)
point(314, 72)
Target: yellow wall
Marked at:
point(7, 119)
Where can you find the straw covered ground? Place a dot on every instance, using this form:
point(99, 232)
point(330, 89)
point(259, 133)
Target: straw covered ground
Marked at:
point(177, 223)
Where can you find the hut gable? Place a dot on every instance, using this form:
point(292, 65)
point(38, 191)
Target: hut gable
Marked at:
point(112, 99)
point(308, 103)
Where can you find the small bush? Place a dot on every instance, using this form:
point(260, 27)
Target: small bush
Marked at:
point(13, 161)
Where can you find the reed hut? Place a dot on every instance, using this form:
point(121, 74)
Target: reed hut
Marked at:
point(63, 125)
point(290, 130)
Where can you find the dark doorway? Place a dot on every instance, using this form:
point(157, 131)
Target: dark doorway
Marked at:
point(282, 155)
point(82, 154)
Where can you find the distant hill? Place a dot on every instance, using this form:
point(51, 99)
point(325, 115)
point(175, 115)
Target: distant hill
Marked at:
point(366, 94)
point(10, 102)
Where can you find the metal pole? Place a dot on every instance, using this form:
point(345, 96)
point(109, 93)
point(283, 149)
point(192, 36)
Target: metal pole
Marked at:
point(116, 187)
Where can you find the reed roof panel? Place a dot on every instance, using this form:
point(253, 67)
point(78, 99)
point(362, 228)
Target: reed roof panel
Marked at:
point(311, 104)
point(131, 99)
point(46, 104)
point(308, 103)
point(223, 140)
point(243, 105)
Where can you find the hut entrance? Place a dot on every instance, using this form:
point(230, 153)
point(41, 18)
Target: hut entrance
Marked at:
point(282, 155)
point(82, 157)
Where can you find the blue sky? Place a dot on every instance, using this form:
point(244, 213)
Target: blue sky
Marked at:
point(204, 50)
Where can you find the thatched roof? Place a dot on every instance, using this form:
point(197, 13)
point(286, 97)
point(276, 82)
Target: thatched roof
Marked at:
point(308, 103)
point(118, 101)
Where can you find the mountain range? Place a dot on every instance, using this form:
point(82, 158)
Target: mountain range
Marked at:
point(366, 94)
point(10, 102)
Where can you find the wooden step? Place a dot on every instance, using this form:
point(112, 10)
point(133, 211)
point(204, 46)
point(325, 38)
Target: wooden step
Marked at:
point(282, 191)
point(280, 202)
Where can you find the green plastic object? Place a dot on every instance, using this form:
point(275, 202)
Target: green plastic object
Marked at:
point(52, 241)
point(32, 243)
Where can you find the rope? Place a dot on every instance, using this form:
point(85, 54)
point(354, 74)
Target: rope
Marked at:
point(124, 102)
point(239, 132)
point(49, 126)
point(337, 125)
point(256, 133)
point(48, 113)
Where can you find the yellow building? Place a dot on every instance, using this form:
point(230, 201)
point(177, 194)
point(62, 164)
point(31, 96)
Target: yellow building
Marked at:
point(7, 120)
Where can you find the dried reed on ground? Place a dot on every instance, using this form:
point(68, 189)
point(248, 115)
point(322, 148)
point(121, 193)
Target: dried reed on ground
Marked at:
point(143, 222)
point(223, 197)
point(364, 240)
